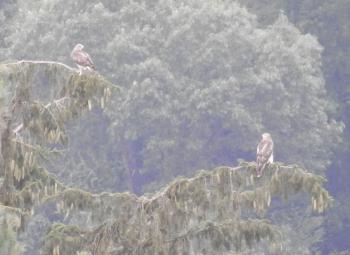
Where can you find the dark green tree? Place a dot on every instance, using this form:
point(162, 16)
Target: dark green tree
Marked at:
point(37, 99)
point(214, 212)
point(201, 81)
point(328, 20)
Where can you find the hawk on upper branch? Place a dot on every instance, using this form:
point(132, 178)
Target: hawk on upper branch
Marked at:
point(82, 58)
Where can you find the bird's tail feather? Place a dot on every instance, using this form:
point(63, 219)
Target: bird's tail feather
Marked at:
point(260, 169)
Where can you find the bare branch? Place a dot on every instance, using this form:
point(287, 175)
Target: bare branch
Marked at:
point(41, 62)
point(57, 102)
point(18, 128)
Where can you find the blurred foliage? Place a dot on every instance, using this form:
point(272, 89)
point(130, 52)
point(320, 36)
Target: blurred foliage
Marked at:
point(10, 222)
point(213, 212)
point(8, 243)
point(35, 124)
point(328, 20)
point(33, 128)
point(201, 80)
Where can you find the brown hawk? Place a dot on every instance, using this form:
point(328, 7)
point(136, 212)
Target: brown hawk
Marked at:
point(264, 153)
point(82, 59)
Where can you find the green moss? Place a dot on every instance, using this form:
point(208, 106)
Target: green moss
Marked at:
point(79, 198)
point(212, 200)
point(204, 210)
point(67, 238)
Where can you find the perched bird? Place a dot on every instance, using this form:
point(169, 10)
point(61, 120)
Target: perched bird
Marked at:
point(82, 58)
point(264, 153)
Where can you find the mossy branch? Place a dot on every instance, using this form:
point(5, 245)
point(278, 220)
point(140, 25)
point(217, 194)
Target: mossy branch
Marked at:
point(40, 62)
point(45, 95)
point(205, 209)
point(216, 198)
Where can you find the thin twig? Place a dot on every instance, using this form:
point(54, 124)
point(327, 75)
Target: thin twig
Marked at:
point(25, 144)
point(18, 128)
point(37, 148)
point(57, 102)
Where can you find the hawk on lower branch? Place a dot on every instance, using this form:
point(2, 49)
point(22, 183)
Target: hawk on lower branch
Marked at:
point(264, 153)
point(82, 58)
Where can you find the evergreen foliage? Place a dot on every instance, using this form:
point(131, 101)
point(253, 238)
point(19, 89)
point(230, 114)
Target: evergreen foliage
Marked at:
point(10, 223)
point(34, 129)
point(328, 20)
point(210, 204)
point(200, 81)
point(204, 214)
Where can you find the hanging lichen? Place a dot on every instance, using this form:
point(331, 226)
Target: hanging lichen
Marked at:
point(11, 221)
point(203, 212)
point(199, 215)
point(43, 96)
point(37, 115)
point(60, 234)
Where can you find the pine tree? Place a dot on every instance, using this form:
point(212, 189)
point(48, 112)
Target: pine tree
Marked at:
point(38, 98)
point(215, 211)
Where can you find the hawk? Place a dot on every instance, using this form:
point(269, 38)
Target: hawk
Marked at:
point(264, 153)
point(81, 58)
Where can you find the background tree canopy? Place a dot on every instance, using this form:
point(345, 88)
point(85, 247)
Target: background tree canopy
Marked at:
point(201, 81)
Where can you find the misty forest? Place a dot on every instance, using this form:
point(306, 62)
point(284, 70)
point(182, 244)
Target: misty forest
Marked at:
point(149, 127)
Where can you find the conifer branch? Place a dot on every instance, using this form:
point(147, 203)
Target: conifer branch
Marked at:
point(41, 62)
